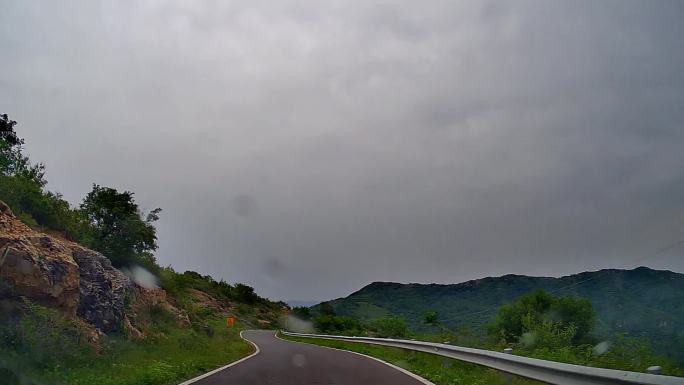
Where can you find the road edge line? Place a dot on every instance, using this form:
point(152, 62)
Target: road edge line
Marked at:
point(205, 375)
point(406, 372)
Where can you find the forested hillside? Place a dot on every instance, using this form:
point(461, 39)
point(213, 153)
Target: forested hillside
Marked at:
point(640, 303)
point(84, 301)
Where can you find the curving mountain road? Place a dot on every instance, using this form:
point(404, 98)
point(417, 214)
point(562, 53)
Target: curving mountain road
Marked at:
point(282, 362)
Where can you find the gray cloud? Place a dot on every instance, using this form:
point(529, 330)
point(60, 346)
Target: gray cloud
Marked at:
point(308, 148)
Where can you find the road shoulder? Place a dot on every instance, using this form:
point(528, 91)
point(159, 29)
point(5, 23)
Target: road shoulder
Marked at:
point(205, 375)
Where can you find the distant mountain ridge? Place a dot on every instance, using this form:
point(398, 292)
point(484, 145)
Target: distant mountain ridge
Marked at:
point(301, 303)
point(641, 302)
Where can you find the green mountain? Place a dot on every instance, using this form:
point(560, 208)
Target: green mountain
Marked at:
point(641, 302)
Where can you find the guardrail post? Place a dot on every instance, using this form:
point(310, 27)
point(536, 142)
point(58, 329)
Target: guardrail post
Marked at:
point(654, 370)
point(507, 376)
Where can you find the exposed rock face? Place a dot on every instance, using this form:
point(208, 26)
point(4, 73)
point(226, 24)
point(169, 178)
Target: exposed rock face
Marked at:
point(202, 300)
point(36, 266)
point(147, 299)
point(77, 281)
point(4, 209)
point(103, 291)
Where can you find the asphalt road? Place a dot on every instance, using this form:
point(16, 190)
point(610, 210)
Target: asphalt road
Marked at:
point(282, 362)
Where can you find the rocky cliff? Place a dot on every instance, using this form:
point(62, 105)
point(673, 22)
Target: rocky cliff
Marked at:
point(77, 281)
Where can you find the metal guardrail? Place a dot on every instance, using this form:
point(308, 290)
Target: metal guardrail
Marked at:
point(545, 371)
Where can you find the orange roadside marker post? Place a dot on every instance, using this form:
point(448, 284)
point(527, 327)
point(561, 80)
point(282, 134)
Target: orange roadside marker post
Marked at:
point(230, 322)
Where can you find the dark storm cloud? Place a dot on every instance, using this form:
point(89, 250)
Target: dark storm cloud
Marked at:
point(308, 148)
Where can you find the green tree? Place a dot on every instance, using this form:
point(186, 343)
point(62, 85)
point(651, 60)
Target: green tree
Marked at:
point(326, 308)
point(12, 161)
point(326, 323)
point(245, 294)
point(390, 327)
point(7, 132)
point(539, 311)
point(22, 187)
point(302, 312)
point(430, 318)
point(117, 228)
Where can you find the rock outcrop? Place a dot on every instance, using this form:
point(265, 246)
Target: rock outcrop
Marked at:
point(36, 266)
point(147, 300)
point(77, 281)
point(103, 291)
point(202, 300)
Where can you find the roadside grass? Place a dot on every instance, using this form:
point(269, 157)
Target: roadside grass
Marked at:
point(182, 354)
point(439, 370)
point(49, 355)
point(620, 352)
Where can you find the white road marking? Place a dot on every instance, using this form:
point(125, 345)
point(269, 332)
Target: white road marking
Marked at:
point(406, 372)
point(205, 375)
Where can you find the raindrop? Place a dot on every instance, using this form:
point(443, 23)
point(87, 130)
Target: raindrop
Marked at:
point(298, 360)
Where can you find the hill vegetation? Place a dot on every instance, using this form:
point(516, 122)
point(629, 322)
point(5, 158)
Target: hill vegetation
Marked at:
point(83, 300)
point(640, 303)
point(537, 325)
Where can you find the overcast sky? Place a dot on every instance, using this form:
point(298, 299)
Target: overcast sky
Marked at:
point(308, 148)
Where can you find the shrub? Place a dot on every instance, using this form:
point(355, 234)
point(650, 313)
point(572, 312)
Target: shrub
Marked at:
point(390, 327)
point(540, 312)
point(246, 294)
point(302, 312)
point(333, 324)
point(43, 338)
